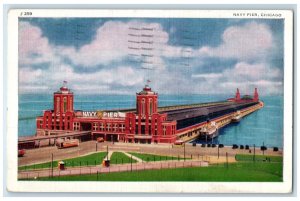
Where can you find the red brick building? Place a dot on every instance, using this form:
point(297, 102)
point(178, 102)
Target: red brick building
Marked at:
point(143, 125)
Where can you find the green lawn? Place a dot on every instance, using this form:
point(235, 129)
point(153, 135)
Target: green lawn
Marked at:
point(91, 159)
point(240, 171)
point(244, 157)
point(152, 157)
point(120, 158)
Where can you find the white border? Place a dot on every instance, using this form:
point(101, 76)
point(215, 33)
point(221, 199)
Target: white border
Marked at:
point(158, 187)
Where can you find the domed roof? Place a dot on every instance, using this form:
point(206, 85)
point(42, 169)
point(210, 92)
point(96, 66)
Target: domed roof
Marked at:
point(64, 89)
point(146, 91)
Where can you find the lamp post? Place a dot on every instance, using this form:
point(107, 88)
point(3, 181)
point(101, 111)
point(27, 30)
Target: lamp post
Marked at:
point(226, 159)
point(184, 151)
point(52, 164)
point(107, 152)
point(254, 153)
point(131, 163)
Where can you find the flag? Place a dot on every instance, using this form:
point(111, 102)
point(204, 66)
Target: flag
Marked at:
point(65, 83)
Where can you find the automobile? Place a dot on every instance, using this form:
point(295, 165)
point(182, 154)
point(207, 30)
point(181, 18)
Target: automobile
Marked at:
point(21, 152)
point(100, 139)
point(178, 142)
point(68, 143)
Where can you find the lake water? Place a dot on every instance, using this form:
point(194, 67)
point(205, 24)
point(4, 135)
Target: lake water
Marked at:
point(263, 126)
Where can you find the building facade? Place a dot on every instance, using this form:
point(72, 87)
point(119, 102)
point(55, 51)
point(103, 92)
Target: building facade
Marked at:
point(142, 125)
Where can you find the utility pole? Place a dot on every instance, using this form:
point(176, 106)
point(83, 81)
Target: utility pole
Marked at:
point(107, 152)
point(227, 160)
point(218, 151)
point(254, 153)
point(52, 164)
point(131, 163)
point(96, 146)
point(184, 151)
point(263, 148)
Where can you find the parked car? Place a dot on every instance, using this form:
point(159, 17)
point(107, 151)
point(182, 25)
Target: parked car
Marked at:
point(100, 139)
point(21, 152)
point(68, 143)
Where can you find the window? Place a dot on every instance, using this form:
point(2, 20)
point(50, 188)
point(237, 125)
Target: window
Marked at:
point(115, 127)
point(164, 130)
point(71, 104)
point(108, 126)
point(143, 129)
point(143, 107)
point(122, 127)
point(150, 106)
point(57, 104)
point(76, 126)
point(95, 126)
point(65, 104)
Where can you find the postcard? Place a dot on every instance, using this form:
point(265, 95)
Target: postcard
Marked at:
point(161, 101)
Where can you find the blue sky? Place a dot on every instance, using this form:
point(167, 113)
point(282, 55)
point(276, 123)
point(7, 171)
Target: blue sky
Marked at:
point(117, 55)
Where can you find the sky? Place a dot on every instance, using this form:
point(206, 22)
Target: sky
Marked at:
point(178, 56)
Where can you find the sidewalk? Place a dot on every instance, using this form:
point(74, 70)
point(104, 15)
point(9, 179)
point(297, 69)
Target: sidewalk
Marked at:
point(115, 168)
point(133, 157)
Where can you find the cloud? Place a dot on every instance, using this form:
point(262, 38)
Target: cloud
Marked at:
point(207, 75)
point(106, 58)
point(250, 41)
point(33, 47)
point(113, 41)
point(243, 71)
point(244, 76)
point(28, 75)
point(83, 82)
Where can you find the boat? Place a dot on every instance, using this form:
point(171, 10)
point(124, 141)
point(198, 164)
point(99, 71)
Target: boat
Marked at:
point(210, 131)
point(237, 117)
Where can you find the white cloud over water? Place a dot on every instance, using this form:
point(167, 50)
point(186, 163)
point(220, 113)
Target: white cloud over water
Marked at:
point(247, 42)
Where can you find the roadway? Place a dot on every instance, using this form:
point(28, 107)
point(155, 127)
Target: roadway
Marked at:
point(43, 154)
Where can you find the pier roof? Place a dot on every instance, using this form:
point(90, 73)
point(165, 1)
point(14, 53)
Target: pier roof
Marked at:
point(181, 114)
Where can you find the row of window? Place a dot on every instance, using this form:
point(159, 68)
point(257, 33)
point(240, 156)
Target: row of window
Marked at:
point(55, 127)
point(57, 119)
point(64, 104)
point(172, 130)
point(115, 127)
point(143, 107)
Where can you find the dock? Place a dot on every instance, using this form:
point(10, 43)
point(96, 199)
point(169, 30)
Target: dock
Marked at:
point(192, 132)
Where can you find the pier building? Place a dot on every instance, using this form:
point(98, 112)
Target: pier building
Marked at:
point(147, 123)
